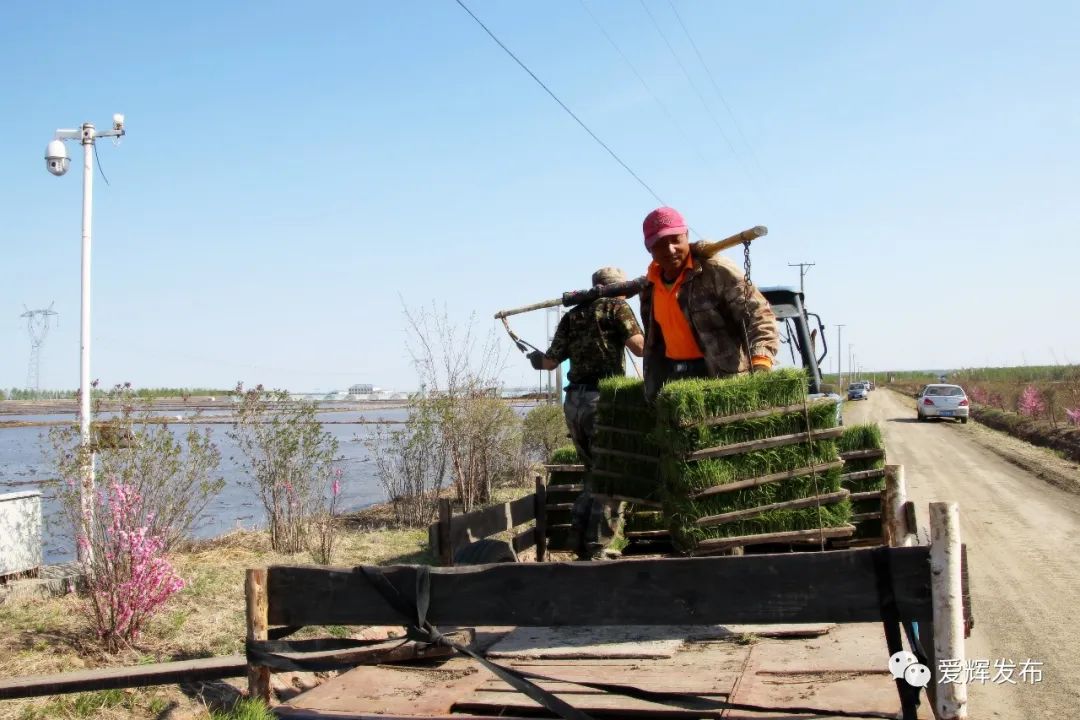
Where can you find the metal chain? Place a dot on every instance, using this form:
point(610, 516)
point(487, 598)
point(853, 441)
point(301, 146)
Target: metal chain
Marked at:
point(748, 284)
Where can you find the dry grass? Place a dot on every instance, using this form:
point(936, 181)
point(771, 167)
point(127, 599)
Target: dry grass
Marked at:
point(206, 618)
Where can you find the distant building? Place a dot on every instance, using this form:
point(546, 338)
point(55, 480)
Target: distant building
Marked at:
point(361, 389)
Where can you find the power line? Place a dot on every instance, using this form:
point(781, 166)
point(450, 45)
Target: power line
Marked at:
point(561, 103)
point(648, 89)
point(716, 87)
point(693, 85)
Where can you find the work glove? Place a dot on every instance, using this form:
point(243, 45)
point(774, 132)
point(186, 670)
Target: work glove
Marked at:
point(761, 363)
point(537, 359)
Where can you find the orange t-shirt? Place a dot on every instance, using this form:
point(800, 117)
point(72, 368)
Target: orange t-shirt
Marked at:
point(679, 342)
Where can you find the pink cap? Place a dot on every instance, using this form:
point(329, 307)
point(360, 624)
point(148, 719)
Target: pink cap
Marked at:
point(660, 223)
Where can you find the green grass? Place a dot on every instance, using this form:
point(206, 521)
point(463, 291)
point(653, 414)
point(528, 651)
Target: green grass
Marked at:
point(245, 710)
point(565, 455)
point(864, 437)
point(684, 402)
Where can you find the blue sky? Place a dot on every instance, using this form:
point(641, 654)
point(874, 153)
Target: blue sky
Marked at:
point(292, 174)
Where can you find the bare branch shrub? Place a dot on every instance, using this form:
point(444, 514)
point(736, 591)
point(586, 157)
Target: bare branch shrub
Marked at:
point(289, 460)
point(172, 476)
point(480, 433)
point(411, 465)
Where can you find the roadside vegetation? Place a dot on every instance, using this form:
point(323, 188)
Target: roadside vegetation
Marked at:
point(155, 595)
point(1039, 404)
point(146, 393)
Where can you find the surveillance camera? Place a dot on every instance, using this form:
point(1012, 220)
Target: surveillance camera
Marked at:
point(56, 158)
point(118, 121)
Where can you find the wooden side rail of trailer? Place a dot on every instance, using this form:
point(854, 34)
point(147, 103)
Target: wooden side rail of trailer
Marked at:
point(840, 586)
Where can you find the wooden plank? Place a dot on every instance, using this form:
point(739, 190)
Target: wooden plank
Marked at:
point(568, 488)
point(634, 500)
point(446, 546)
point(647, 533)
point(564, 468)
point(479, 524)
point(623, 454)
point(403, 691)
point(767, 443)
point(257, 603)
point(836, 586)
point(862, 454)
point(540, 497)
point(620, 476)
point(622, 431)
point(625, 642)
point(295, 713)
point(736, 515)
point(216, 668)
point(766, 479)
point(863, 475)
point(560, 506)
point(523, 541)
point(869, 495)
point(860, 517)
point(765, 412)
point(777, 537)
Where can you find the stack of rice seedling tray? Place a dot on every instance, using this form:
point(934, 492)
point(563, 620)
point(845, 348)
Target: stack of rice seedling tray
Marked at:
point(566, 478)
point(863, 452)
point(626, 459)
point(749, 460)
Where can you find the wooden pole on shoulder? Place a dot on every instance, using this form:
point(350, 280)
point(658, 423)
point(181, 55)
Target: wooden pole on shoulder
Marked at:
point(897, 532)
point(541, 519)
point(446, 552)
point(950, 701)
point(258, 609)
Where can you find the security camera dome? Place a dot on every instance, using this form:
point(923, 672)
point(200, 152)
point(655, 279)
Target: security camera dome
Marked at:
point(56, 158)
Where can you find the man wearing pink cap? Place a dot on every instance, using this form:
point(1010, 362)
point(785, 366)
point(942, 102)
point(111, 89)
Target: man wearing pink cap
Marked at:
point(701, 317)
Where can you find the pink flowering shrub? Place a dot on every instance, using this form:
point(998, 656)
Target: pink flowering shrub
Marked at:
point(979, 395)
point(129, 578)
point(325, 524)
point(1073, 416)
point(1030, 402)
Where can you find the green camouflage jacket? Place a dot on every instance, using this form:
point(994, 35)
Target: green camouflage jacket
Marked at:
point(593, 337)
point(714, 302)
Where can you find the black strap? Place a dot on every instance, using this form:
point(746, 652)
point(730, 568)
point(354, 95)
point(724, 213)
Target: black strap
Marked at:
point(268, 653)
point(890, 616)
point(420, 629)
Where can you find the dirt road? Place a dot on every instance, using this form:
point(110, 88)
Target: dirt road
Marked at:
point(1023, 538)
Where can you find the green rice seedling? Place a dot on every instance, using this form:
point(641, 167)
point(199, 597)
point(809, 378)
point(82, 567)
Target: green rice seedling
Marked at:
point(687, 402)
point(565, 455)
point(682, 440)
point(864, 437)
point(686, 478)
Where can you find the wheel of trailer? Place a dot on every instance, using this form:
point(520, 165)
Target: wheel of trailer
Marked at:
point(963, 421)
point(484, 552)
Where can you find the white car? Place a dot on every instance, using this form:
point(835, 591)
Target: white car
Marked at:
point(946, 401)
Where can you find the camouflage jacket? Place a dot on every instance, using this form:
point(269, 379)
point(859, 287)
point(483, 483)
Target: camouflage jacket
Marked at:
point(714, 302)
point(592, 336)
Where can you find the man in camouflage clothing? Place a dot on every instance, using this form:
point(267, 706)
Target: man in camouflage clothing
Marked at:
point(701, 317)
point(592, 336)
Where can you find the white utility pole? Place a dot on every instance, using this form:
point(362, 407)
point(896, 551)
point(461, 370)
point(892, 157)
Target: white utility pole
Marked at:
point(804, 267)
point(56, 162)
point(839, 357)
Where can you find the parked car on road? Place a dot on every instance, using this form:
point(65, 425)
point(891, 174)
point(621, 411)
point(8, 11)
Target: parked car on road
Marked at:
point(857, 391)
point(946, 401)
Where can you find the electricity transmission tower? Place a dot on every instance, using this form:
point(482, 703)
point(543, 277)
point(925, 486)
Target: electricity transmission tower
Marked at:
point(37, 324)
